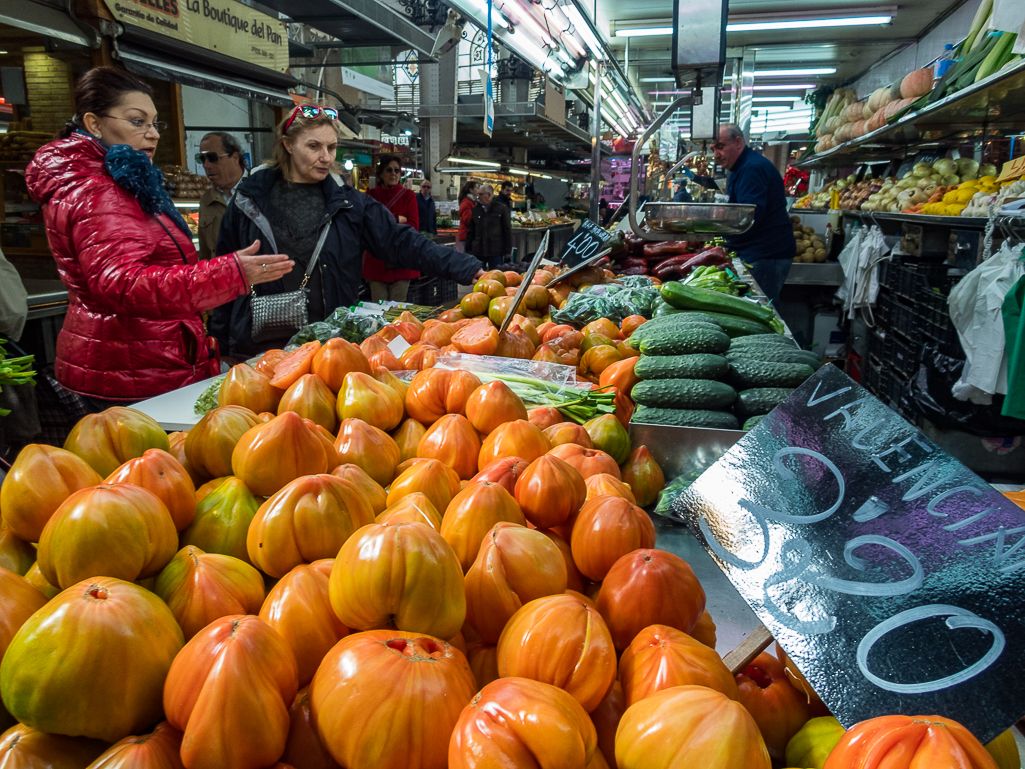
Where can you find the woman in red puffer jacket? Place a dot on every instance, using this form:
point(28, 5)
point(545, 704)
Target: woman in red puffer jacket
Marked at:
point(467, 202)
point(391, 283)
point(135, 286)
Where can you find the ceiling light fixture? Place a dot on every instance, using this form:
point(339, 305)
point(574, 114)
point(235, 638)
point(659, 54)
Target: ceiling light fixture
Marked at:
point(658, 80)
point(644, 32)
point(853, 21)
point(583, 29)
point(795, 72)
point(784, 87)
point(472, 162)
point(777, 98)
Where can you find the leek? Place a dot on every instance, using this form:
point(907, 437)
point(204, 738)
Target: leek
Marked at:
point(574, 403)
point(14, 371)
point(981, 17)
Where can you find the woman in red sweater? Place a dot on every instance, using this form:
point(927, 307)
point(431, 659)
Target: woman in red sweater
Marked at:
point(387, 283)
point(467, 200)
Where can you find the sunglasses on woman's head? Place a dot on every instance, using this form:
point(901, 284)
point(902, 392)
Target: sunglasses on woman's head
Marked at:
point(310, 111)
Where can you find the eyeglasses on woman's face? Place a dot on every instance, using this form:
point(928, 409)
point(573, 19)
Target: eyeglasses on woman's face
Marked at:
point(141, 125)
point(393, 170)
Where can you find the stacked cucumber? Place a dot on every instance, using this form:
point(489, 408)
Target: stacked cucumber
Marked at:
point(713, 369)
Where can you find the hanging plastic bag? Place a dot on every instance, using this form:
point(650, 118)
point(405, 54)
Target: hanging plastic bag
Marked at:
point(1014, 332)
point(975, 309)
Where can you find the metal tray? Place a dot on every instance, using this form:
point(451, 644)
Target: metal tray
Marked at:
point(699, 218)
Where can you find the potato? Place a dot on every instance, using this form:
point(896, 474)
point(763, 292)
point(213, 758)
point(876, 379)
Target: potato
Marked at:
point(795, 219)
point(820, 255)
point(809, 230)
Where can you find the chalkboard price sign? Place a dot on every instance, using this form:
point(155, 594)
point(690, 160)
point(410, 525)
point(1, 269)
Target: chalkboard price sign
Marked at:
point(586, 242)
point(889, 572)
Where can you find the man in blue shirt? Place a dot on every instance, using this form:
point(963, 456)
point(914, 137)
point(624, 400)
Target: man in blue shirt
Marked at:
point(769, 246)
point(425, 205)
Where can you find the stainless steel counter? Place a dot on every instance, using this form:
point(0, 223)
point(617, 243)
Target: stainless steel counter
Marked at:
point(46, 298)
point(815, 274)
point(526, 240)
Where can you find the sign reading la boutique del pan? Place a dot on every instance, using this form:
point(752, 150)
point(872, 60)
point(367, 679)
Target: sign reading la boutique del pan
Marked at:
point(890, 573)
point(225, 26)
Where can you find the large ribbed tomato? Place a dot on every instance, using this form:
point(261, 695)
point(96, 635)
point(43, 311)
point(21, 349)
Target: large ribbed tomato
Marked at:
point(22, 747)
point(661, 657)
point(40, 479)
point(686, 727)
point(514, 566)
point(407, 437)
point(401, 574)
point(161, 473)
point(222, 520)
point(604, 484)
point(369, 448)
point(606, 529)
point(606, 718)
point(649, 587)
point(587, 462)
point(517, 722)
point(574, 579)
point(229, 690)
point(210, 443)
point(16, 554)
point(518, 438)
point(311, 399)
point(160, 749)
point(92, 662)
point(454, 441)
point(567, 432)
point(562, 641)
point(273, 453)
point(644, 475)
point(304, 748)
point(112, 437)
point(199, 587)
point(389, 700)
point(472, 513)
point(117, 530)
point(309, 519)
point(493, 404)
point(336, 359)
point(371, 491)
point(432, 478)
point(550, 491)
point(363, 397)
point(299, 608)
point(433, 393)
point(415, 507)
point(777, 707)
point(245, 386)
point(483, 659)
point(505, 471)
point(35, 578)
point(906, 742)
point(19, 600)
point(545, 416)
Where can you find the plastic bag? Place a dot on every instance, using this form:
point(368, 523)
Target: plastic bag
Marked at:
point(636, 301)
point(581, 309)
point(636, 281)
point(672, 490)
point(975, 309)
point(350, 326)
point(207, 401)
point(490, 365)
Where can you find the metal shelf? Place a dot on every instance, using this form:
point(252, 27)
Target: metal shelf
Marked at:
point(960, 222)
point(996, 104)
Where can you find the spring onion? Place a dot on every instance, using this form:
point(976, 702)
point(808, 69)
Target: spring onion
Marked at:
point(14, 371)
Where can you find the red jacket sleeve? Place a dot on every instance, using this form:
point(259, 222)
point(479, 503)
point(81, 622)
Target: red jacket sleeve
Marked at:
point(465, 215)
point(410, 209)
point(115, 251)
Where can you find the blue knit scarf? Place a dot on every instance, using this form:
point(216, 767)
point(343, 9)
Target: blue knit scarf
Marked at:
point(135, 173)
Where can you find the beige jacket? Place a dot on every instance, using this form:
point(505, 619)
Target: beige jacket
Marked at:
point(211, 211)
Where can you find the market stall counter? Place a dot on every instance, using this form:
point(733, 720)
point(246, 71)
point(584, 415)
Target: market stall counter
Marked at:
point(526, 240)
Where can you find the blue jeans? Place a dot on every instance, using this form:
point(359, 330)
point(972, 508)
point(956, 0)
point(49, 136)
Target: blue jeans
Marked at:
point(771, 274)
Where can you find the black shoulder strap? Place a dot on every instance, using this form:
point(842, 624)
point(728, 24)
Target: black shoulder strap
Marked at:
point(185, 259)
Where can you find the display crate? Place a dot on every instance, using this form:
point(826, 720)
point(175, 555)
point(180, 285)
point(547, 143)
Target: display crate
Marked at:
point(871, 377)
point(448, 291)
point(903, 320)
point(422, 291)
point(903, 357)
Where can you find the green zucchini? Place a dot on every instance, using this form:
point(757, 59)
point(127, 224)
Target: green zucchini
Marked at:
point(759, 400)
point(746, 373)
point(777, 354)
point(685, 341)
point(757, 340)
point(689, 298)
point(752, 421)
point(683, 393)
point(718, 420)
point(698, 366)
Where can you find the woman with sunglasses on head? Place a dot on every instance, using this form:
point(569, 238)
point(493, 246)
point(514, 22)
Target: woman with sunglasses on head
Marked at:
point(295, 203)
point(135, 287)
point(388, 283)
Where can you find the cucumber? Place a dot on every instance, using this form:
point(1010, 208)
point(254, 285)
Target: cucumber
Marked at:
point(776, 354)
point(683, 393)
point(658, 325)
point(742, 342)
point(698, 366)
point(685, 341)
point(718, 420)
point(759, 400)
point(690, 298)
point(734, 326)
point(746, 373)
point(752, 421)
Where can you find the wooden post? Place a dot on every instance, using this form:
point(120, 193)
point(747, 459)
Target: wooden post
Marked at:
point(749, 648)
point(178, 125)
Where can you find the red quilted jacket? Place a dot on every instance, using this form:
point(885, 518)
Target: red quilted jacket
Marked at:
point(135, 290)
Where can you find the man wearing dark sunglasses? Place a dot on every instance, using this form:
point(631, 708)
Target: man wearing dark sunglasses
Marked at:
point(220, 155)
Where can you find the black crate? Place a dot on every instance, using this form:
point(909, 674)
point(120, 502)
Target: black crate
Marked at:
point(422, 291)
point(448, 291)
point(903, 357)
point(936, 325)
point(903, 320)
point(871, 378)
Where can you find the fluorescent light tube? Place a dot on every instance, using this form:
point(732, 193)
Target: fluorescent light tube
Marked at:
point(584, 29)
point(658, 80)
point(644, 32)
point(795, 72)
point(778, 98)
point(472, 162)
point(854, 21)
point(788, 87)
point(519, 172)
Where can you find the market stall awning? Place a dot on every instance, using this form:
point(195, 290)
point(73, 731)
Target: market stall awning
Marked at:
point(43, 20)
point(517, 124)
point(258, 85)
point(357, 23)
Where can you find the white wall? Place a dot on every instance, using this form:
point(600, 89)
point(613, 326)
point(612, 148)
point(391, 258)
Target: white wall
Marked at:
point(205, 110)
point(553, 190)
point(951, 30)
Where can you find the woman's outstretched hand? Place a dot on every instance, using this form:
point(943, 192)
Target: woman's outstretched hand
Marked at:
point(263, 268)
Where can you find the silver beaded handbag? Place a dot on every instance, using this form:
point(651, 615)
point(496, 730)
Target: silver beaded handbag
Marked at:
point(277, 316)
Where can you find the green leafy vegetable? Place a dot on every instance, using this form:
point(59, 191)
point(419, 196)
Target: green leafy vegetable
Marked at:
point(15, 371)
